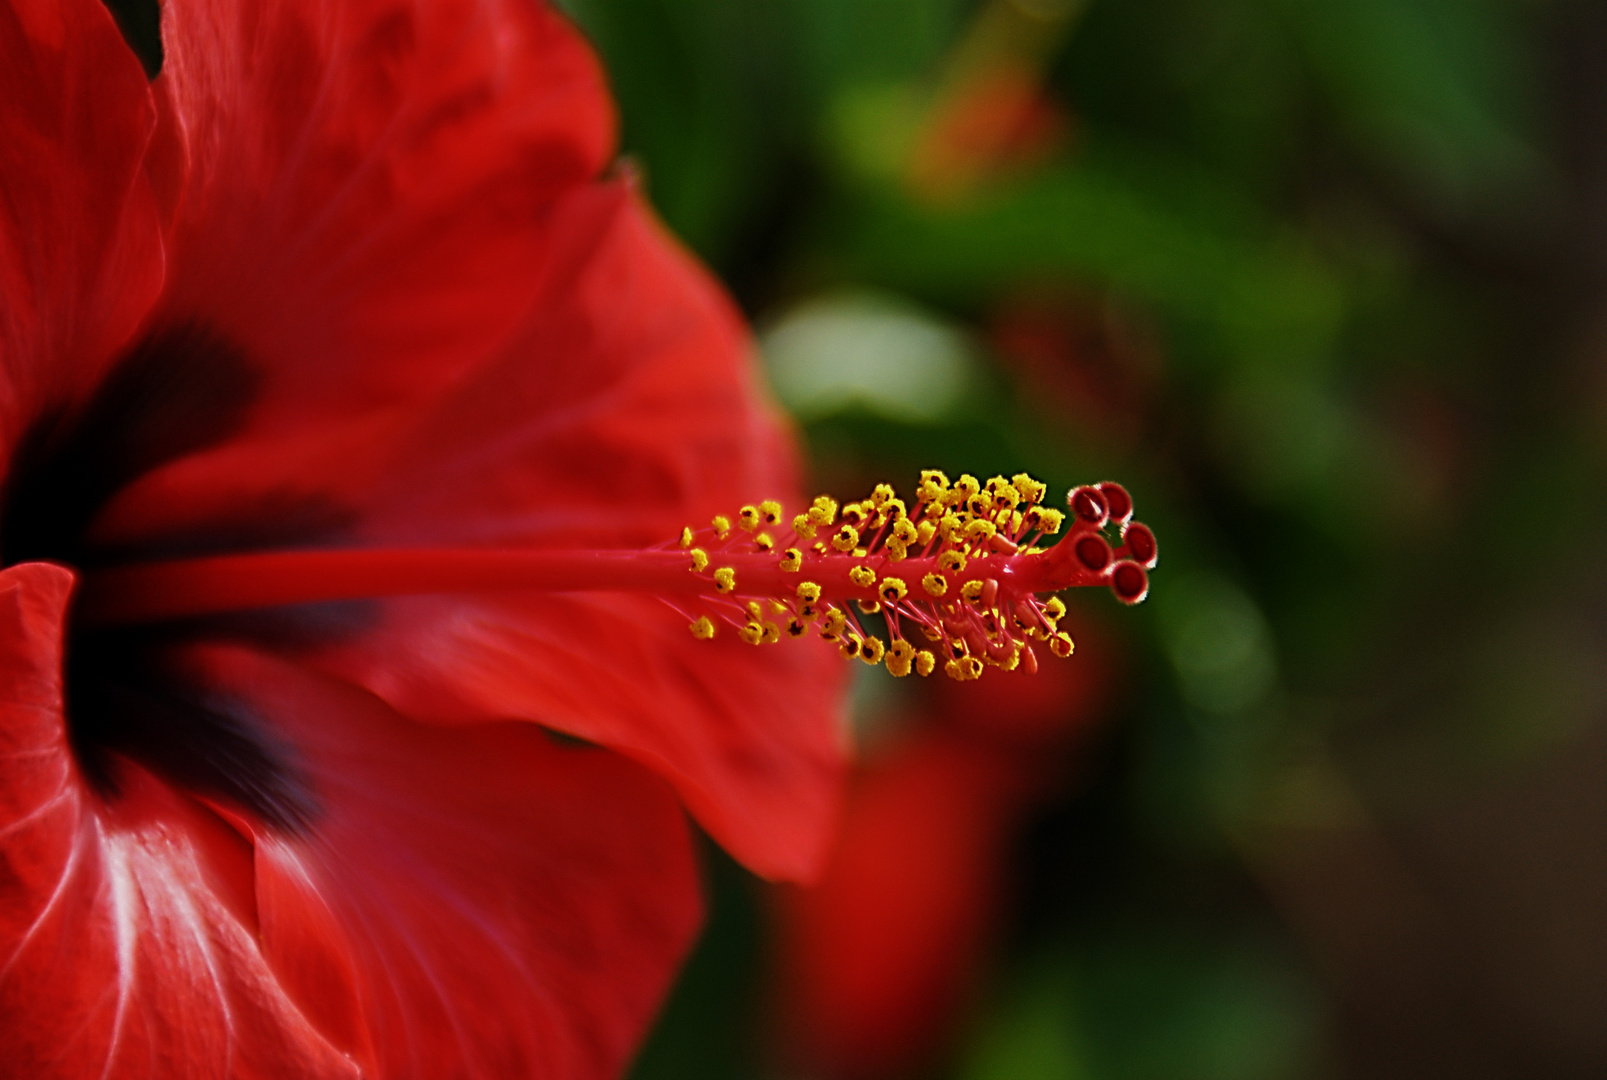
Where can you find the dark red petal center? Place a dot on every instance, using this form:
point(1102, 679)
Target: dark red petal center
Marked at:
point(177, 391)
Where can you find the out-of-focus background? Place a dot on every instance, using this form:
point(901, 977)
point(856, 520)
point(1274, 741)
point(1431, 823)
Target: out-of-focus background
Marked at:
point(1322, 282)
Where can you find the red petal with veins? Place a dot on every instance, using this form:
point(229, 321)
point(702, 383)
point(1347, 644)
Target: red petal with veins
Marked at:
point(371, 185)
point(475, 902)
point(386, 217)
point(621, 407)
point(125, 942)
point(652, 424)
point(80, 239)
point(471, 902)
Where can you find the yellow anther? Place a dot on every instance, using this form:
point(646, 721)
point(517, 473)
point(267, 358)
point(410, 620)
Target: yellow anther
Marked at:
point(1032, 492)
point(1042, 517)
point(954, 525)
point(900, 658)
point(1003, 493)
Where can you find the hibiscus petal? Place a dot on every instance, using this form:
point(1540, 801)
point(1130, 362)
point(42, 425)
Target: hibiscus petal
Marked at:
point(876, 958)
point(125, 941)
point(80, 235)
point(475, 902)
point(652, 421)
point(620, 408)
point(370, 186)
point(749, 737)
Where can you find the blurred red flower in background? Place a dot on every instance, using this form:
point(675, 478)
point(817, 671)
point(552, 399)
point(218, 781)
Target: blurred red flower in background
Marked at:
point(344, 276)
point(881, 956)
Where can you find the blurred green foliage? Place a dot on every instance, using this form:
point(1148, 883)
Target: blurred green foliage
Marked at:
point(1314, 270)
point(1310, 257)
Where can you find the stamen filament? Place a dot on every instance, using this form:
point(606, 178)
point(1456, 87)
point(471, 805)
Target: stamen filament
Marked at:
point(970, 587)
point(212, 585)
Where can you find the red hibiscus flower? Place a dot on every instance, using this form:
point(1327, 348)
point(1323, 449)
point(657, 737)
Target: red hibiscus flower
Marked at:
point(344, 278)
